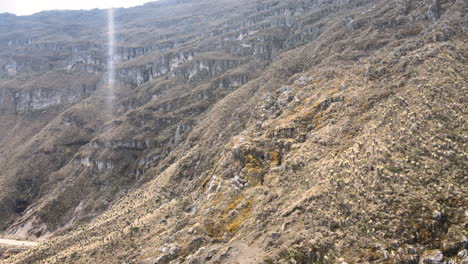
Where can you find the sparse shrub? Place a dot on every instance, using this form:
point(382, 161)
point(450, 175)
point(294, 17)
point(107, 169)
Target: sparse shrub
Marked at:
point(135, 229)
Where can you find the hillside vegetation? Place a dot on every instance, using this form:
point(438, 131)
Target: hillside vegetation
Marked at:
point(311, 131)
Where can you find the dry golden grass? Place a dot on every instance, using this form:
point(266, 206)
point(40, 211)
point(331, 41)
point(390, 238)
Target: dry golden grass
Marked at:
point(372, 171)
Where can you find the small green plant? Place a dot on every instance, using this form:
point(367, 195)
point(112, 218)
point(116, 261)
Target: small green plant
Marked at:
point(394, 169)
point(135, 229)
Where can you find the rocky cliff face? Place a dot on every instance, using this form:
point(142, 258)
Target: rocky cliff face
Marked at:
point(262, 131)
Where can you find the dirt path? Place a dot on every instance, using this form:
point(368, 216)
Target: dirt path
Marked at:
point(17, 243)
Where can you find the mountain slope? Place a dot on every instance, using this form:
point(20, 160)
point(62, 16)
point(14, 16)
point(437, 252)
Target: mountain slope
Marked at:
point(280, 132)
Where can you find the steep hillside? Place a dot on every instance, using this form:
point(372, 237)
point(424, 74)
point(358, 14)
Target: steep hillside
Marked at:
point(322, 131)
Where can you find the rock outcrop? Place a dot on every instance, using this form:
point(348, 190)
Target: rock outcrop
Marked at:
point(325, 131)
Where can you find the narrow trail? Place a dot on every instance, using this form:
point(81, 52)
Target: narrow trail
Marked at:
point(17, 243)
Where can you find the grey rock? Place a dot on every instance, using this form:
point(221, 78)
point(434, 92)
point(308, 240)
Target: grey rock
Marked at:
point(275, 235)
point(406, 5)
point(437, 215)
point(302, 81)
point(173, 250)
point(282, 103)
point(401, 251)
point(233, 214)
point(463, 253)
point(435, 10)
point(269, 103)
point(41, 98)
point(386, 254)
point(381, 71)
point(238, 182)
point(435, 257)
point(285, 89)
point(412, 251)
point(191, 231)
point(258, 125)
point(165, 258)
point(227, 174)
